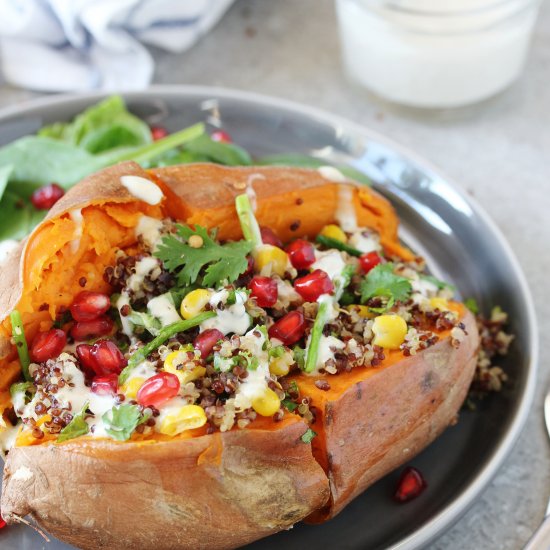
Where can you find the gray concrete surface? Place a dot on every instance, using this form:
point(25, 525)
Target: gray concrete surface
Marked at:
point(289, 48)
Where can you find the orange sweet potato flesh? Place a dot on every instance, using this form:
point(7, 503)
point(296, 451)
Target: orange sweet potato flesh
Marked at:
point(219, 490)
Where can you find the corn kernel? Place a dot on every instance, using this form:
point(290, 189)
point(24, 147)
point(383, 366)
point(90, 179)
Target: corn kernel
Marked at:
point(439, 303)
point(333, 232)
point(280, 366)
point(178, 357)
point(194, 302)
point(273, 256)
point(362, 311)
point(131, 387)
point(389, 331)
point(266, 404)
point(188, 417)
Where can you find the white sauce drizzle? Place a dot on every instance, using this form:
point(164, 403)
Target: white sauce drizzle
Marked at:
point(365, 241)
point(250, 189)
point(332, 174)
point(143, 268)
point(127, 327)
point(233, 318)
point(162, 307)
point(345, 213)
point(331, 262)
point(8, 435)
point(149, 229)
point(143, 189)
point(76, 217)
point(255, 384)
point(325, 353)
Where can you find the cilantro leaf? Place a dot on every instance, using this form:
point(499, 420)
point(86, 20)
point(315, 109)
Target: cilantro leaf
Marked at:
point(220, 262)
point(76, 427)
point(308, 436)
point(121, 421)
point(382, 281)
point(289, 405)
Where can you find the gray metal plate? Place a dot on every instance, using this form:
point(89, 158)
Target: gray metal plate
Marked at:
point(440, 222)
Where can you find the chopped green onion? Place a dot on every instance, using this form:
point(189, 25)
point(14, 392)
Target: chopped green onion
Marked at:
point(165, 333)
point(18, 334)
point(339, 245)
point(249, 224)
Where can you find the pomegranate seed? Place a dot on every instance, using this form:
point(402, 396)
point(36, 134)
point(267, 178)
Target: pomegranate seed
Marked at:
point(249, 267)
point(48, 345)
point(84, 330)
point(45, 197)
point(158, 132)
point(158, 389)
point(83, 352)
point(301, 253)
point(369, 260)
point(269, 237)
point(2, 522)
point(289, 329)
point(105, 385)
point(89, 305)
point(311, 286)
point(411, 484)
point(206, 340)
point(221, 137)
point(264, 289)
point(107, 358)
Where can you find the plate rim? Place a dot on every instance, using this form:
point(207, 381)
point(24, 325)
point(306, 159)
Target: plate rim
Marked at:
point(451, 513)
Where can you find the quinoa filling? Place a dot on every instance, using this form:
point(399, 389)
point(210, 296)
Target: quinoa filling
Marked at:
point(198, 334)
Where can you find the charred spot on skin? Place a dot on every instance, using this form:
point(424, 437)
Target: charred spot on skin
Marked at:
point(295, 225)
point(359, 392)
point(328, 414)
point(299, 201)
point(329, 460)
point(428, 382)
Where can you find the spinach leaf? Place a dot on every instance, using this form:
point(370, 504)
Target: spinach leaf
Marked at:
point(18, 217)
point(5, 173)
point(102, 127)
point(305, 161)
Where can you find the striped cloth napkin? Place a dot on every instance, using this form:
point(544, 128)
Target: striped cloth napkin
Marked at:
point(70, 45)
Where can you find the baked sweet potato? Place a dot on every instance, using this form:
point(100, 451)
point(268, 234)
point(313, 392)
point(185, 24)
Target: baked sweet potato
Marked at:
point(222, 489)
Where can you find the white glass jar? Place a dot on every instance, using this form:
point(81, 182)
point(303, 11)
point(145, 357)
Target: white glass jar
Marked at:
point(435, 54)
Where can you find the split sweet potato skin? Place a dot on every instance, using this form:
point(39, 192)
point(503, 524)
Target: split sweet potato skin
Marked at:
point(389, 415)
point(240, 485)
point(210, 492)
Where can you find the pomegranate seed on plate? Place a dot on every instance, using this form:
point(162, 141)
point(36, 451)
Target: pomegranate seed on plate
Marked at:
point(264, 289)
point(289, 329)
point(221, 137)
point(89, 305)
point(158, 389)
point(269, 237)
point(301, 253)
point(84, 330)
point(158, 132)
point(369, 260)
point(105, 385)
point(411, 484)
point(107, 358)
point(48, 345)
point(46, 196)
point(206, 340)
point(311, 286)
